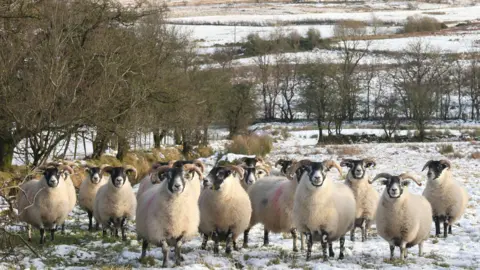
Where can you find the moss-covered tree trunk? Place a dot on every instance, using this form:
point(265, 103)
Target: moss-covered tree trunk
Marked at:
point(6, 153)
point(123, 147)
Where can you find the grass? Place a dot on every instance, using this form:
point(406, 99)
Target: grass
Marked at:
point(250, 145)
point(475, 155)
point(442, 264)
point(446, 149)
point(345, 150)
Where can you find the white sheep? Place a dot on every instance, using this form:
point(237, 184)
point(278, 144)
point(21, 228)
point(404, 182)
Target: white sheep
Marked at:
point(115, 201)
point(224, 207)
point(272, 205)
point(168, 213)
point(403, 219)
point(94, 179)
point(44, 203)
point(322, 209)
point(447, 196)
point(254, 169)
point(366, 197)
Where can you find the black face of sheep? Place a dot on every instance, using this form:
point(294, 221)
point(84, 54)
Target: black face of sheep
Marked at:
point(395, 184)
point(435, 168)
point(249, 162)
point(53, 176)
point(284, 164)
point(118, 175)
point(198, 163)
point(95, 174)
point(160, 177)
point(218, 175)
point(315, 171)
point(358, 166)
point(177, 178)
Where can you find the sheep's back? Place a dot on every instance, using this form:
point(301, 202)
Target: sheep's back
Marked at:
point(87, 193)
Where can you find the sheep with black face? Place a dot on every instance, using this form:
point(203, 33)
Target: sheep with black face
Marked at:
point(115, 202)
point(254, 169)
point(366, 197)
point(322, 209)
point(94, 179)
point(154, 176)
point(403, 219)
point(224, 207)
point(44, 203)
point(447, 196)
point(168, 213)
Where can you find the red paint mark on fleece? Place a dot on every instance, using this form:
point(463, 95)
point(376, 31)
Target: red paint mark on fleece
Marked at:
point(275, 198)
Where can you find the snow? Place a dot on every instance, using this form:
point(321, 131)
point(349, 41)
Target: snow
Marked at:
point(450, 14)
point(457, 43)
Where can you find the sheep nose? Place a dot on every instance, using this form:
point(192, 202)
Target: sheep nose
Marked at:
point(177, 186)
point(316, 178)
point(394, 190)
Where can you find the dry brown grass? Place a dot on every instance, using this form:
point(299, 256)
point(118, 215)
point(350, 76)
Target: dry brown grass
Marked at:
point(475, 155)
point(250, 145)
point(345, 150)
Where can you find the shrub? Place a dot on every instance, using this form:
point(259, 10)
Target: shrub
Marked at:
point(422, 24)
point(250, 145)
point(446, 149)
point(345, 150)
point(475, 155)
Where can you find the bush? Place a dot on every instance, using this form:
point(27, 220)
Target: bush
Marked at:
point(446, 149)
point(250, 145)
point(422, 24)
point(475, 155)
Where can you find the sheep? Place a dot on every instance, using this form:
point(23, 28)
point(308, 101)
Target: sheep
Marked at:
point(272, 205)
point(168, 213)
point(153, 177)
point(403, 219)
point(448, 198)
point(44, 203)
point(225, 208)
point(88, 190)
point(197, 163)
point(115, 202)
point(254, 169)
point(284, 164)
point(322, 209)
point(366, 196)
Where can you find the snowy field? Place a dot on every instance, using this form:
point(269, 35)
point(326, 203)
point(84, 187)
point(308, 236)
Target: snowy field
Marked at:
point(81, 250)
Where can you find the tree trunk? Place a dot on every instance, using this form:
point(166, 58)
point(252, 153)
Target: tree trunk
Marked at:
point(158, 137)
point(123, 147)
point(177, 136)
point(6, 153)
point(204, 141)
point(99, 144)
point(320, 131)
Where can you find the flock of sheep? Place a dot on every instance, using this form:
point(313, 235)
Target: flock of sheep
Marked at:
point(175, 202)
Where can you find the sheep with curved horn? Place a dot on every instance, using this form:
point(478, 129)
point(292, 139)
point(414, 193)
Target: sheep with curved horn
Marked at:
point(403, 219)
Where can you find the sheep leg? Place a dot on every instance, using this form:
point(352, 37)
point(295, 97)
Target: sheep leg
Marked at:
point(352, 234)
point(29, 231)
point(97, 225)
point(90, 223)
point(294, 236)
point(364, 232)
point(330, 249)
point(324, 246)
point(144, 249)
point(178, 251)
point(420, 247)
point(104, 234)
point(63, 228)
point(52, 234)
point(245, 238)
point(342, 248)
point(228, 242)
point(204, 242)
point(266, 242)
point(450, 229)
point(437, 225)
point(392, 249)
point(42, 236)
point(122, 226)
point(165, 251)
point(309, 244)
point(234, 243)
point(366, 228)
point(216, 240)
point(403, 251)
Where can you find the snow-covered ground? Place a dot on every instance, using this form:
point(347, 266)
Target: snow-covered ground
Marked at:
point(461, 250)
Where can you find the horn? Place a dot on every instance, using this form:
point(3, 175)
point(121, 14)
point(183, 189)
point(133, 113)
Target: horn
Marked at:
point(106, 169)
point(378, 176)
point(263, 167)
point(330, 163)
point(200, 165)
point(409, 176)
point(296, 165)
point(279, 162)
point(259, 159)
point(344, 162)
point(446, 162)
point(426, 165)
point(193, 167)
point(131, 168)
point(370, 160)
point(238, 169)
point(66, 168)
point(103, 166)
